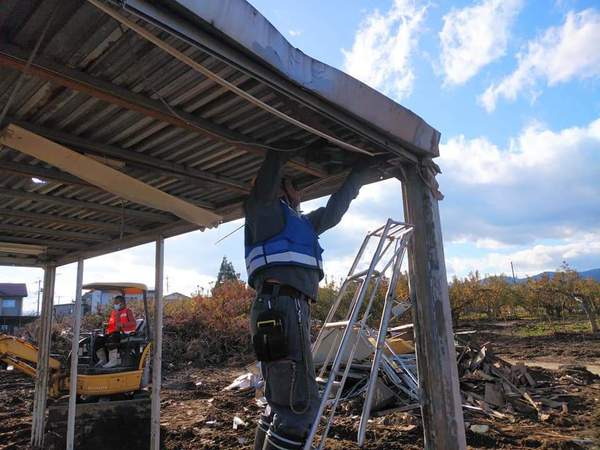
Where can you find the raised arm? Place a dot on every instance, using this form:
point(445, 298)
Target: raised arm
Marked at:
point(330, 215)
point(268, 181)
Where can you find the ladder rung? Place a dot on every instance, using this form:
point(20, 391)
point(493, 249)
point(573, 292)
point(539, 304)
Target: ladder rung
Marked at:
point(362, 274)
point(340, 324)
point(322, 380)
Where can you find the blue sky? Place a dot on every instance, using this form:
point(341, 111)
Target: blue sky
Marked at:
point(513, 86)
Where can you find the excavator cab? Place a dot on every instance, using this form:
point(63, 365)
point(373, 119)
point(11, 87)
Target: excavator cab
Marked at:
point(134, 348)
point(132, 345)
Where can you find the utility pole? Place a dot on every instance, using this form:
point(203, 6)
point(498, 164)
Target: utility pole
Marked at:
point(512, 268)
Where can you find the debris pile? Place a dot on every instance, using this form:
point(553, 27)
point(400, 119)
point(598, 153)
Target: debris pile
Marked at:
point(494, 387)
point(491, 387)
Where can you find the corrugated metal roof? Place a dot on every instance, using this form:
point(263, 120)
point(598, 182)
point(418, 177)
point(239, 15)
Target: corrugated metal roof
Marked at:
point(98, 88)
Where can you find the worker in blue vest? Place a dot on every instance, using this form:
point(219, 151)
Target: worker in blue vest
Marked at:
point(284, 264)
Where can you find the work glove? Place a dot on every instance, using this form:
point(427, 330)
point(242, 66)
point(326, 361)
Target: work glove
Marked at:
point(369, 168)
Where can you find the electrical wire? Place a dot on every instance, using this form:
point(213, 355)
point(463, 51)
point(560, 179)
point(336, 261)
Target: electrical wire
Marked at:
point(229, 234)
point(149, 87)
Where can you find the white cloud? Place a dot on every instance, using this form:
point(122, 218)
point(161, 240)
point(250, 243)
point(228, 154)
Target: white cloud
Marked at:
point(559, 55)
point(475, 36)
point(532, 260)
point(543, 185)
point(536, 154)
point(489, 243)
point(295, 33)
point(383, 47)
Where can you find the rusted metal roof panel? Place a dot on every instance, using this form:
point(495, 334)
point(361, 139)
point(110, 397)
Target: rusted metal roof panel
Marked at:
point(243, 23)
point(99, 88)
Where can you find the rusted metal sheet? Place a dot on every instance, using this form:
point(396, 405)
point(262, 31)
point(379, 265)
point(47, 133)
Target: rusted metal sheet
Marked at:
point(240, 21)
point(106, 92)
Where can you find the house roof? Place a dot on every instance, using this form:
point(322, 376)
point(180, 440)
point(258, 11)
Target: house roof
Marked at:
point(13, 290)
point(196, 130)
point(177, 295)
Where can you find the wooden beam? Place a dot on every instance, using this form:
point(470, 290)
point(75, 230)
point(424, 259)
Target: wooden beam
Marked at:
point(135, 159)
point(73, 203)
point(55, 175)
point(27, 170)
point(15, 58)
point(55, 233)
point(51, 218)
point(103, 176)
point(21, 249)
point(441, 403)
point(19, 262)
point(132, 240)
point(46, 242)
point(41, 172)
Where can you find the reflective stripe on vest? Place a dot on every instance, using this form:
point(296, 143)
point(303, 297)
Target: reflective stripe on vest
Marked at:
point(123, 318)
point(296, 245)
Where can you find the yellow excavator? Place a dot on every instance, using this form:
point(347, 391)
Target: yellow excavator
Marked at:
point(92, 381)
point(101, 392)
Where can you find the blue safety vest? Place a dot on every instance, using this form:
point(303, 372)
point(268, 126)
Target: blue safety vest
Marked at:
point(296, 245)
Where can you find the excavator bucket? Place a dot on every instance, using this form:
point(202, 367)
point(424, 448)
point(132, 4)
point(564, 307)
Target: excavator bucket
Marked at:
point(118, 425)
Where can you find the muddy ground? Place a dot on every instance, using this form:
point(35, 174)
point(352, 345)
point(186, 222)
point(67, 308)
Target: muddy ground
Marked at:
point(198, 414)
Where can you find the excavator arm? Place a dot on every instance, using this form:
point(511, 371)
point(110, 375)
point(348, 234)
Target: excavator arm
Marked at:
point(23, 356)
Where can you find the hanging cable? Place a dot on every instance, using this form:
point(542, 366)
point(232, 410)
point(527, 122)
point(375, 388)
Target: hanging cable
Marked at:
point(148, 86)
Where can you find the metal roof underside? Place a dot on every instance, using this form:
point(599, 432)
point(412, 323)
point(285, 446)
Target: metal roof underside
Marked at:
point(99, 88)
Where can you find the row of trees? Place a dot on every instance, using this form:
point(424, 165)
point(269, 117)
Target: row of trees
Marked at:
point(560, 295)
point(211, 327)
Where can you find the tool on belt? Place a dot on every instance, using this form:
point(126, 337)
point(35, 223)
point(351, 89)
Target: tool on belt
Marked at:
point(270, 340)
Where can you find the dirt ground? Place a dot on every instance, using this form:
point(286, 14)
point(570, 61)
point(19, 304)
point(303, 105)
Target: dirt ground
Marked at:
point(508, 341)
point(198, 414)
point(202, 417)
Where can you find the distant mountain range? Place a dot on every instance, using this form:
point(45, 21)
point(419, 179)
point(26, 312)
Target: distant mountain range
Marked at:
point(594, 274)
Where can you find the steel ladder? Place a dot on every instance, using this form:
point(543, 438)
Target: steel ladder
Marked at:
point(386, 257)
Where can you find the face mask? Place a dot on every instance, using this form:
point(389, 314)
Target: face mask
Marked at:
point(117, 306)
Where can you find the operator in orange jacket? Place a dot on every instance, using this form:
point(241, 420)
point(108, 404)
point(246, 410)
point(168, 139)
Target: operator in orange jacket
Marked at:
point(121, 321)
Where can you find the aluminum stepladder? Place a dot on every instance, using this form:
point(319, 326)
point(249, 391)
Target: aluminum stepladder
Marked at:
point(387, 256)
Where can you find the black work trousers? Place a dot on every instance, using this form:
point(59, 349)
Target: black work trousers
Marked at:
point(290, 387)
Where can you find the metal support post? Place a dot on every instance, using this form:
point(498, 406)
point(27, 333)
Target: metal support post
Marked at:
point(441, 404)
point(41, 380)
point(74, 358)
point(157, 344)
